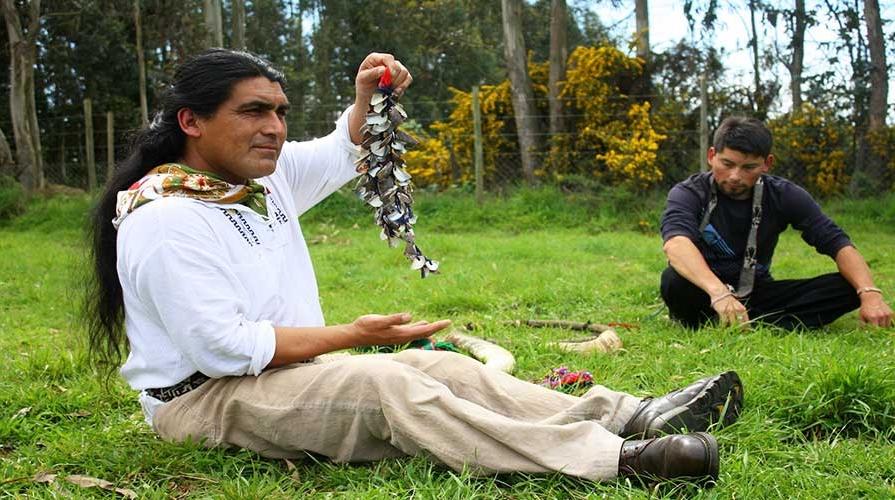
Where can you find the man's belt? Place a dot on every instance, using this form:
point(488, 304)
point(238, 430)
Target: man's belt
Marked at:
point(179, 389)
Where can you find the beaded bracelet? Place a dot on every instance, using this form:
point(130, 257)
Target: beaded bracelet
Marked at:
point(720, 298)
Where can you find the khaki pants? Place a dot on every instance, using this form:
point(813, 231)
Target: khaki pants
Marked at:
point(443, 405)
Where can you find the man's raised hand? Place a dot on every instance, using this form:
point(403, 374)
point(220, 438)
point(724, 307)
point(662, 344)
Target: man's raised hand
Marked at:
point(371, 69)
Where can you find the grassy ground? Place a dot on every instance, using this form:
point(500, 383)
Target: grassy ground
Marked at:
point(820, 406)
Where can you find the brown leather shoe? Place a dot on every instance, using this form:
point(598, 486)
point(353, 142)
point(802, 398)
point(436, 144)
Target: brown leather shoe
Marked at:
point(693, 408)
point(692, 456)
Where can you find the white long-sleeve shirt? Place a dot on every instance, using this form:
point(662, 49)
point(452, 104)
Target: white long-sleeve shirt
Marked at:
point(205, 283)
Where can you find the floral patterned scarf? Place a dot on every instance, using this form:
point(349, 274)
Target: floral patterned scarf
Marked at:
point(174, 179)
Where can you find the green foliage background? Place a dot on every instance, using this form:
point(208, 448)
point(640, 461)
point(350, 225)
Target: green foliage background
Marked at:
point(86, 49)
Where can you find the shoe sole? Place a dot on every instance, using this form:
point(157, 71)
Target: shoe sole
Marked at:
point(719, 401)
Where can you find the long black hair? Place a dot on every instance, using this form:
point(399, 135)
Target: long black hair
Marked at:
point(201, 84)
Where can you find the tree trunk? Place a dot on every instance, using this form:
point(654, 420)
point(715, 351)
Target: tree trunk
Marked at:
point(239, 24)
point(758, 98)
point(641, 12)
point(795, 65)
point(879, 85)
point(213, 23)
point(299, 87)
point(523, 96)
point(219, 22)
point(644, 85)
point(6, 161)
point(848, 21)
point(141, 63)
point(209, 10)
point(323, 41)
point(22, 57)
point(879, 93)
point(559, 53)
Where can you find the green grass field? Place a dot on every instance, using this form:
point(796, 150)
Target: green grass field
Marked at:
point(820, 406)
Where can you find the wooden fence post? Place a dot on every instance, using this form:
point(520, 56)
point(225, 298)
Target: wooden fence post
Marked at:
point(88, 144)
point(62, 158)
point(477, 130)
point(144, 109)
point(110, 145)
point(703, 123)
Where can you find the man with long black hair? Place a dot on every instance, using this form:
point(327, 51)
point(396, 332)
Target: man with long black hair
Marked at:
point(721, 228)
point(202, 271)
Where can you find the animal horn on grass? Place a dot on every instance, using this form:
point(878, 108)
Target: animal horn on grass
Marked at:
point(608, 341)
point(489, 353)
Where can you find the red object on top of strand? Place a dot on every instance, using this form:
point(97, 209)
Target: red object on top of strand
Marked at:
point(385, 81)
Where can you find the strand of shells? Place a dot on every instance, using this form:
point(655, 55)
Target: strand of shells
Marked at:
point(384, 184)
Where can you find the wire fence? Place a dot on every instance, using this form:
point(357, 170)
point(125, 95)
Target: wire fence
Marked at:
point(65, 156)
point(66, 159)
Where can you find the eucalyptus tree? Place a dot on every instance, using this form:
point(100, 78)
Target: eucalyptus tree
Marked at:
point(879, 91)
point(520, 83)
point(798, 20)
point(214, 23)
point(23, 29)
point(644, 86)
point(559, 52)
point(6, 162)
point(855, 94)
point(238, 34)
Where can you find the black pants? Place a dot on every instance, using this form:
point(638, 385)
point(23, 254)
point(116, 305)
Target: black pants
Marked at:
point(789, 304)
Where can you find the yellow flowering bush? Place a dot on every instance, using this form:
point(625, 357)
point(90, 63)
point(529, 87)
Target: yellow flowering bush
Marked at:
point(631, 149)
point(810, 148)
point(883, 144)
point(593, 77)
point(613, 139)
point(609, 135)
point(429, 162)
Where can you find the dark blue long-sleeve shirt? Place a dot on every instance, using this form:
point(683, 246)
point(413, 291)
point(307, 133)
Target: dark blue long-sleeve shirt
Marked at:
point(723, 241)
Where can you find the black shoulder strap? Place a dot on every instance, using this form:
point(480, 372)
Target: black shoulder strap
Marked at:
point(747, 272)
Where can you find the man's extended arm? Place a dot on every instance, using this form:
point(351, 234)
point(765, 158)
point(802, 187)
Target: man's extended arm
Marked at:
point(299, 344)
point(686, 259)
point(853, 267)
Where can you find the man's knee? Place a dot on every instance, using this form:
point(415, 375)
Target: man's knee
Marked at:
point(672, 283)
point(840, 291)
point(677, 289)
point(376, 373)
point(838, 282)
point(805, 303)
point(686, 302)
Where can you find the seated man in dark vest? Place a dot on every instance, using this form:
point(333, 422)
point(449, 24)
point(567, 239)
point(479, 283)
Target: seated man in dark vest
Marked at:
point(720, 229)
